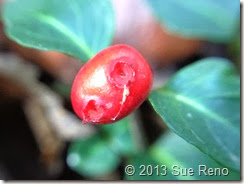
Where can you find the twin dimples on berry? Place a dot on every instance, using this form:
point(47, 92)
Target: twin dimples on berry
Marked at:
point(111, 85)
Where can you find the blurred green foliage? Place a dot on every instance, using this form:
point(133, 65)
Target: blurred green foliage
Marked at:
point(171, 155)
point(92, 157)
point(102, 153)
point(213, 20)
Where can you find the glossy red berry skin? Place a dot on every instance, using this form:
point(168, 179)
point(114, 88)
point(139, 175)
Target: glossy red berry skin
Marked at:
point(111, 85)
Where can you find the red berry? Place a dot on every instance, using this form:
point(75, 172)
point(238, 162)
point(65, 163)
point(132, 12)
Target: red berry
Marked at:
point(111, 85)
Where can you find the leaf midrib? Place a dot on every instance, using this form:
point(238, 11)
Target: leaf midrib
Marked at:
point(186, 100)
point(59, 26)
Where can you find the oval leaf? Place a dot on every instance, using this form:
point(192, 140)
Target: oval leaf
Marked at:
point(203, 19)
point(177, 155)
point(202, 104)
point(91, 157)
point(77, 28)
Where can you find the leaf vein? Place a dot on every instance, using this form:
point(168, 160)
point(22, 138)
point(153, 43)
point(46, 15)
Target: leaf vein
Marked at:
point(197, 106)
point(63, 29)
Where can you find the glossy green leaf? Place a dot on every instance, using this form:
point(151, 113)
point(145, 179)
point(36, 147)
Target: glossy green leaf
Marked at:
point(92, 157)
point(214, 20)
point(120, 137)
point(175, 158)
point(201, 103)
point(76, 27)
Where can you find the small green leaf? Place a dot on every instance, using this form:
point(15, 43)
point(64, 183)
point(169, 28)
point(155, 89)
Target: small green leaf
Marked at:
point(92, 157)
point(177, 155)
point(120, 137)
point(78, 28)
point(203, 19)
point(201, 103)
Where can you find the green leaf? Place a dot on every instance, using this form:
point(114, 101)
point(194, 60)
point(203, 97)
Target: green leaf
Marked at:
point(178, 155)
point(120, 137)
point(201, 103)
point(101, 154)
point(92, 157)
point(203, 19)
point(77, 28)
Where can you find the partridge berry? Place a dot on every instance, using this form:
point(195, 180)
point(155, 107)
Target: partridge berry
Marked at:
point(111, 85)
